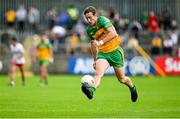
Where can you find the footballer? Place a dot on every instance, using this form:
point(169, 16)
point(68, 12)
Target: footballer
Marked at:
point(106, 51)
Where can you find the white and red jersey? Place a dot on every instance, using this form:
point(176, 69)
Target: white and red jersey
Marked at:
point(17, 53)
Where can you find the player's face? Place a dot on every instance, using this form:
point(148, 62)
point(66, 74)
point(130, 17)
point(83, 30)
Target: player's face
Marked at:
point(91, 18)
point(13, 42)
point(43, 38)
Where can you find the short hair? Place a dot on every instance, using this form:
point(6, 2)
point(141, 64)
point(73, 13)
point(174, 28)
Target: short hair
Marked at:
point(90, 9)
point(43, 33)
point(14, 39)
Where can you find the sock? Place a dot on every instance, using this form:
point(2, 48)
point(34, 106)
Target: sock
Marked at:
point(132, 89)
point(92, 89)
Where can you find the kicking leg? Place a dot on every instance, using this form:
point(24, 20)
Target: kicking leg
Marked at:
point(127, 81)
point(100, 66)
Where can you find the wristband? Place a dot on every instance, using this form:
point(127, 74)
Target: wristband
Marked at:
point(101, 42)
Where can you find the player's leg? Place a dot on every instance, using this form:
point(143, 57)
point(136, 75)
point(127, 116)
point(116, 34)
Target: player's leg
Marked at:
point(117, 61)
point(22, 74)
point(101, 66)
point(44, 74)
point(127, 81)
point(12, 74)
point(122, 78)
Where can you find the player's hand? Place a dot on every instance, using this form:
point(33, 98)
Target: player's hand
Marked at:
point(95, 43)
point(51, 60)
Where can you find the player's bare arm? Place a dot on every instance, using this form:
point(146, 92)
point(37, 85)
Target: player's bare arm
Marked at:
point(51, 55)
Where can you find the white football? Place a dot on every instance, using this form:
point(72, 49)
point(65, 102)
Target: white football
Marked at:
point(87, 79)
point(12, 83)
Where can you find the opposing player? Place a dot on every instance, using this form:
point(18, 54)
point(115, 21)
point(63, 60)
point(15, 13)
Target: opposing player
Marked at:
point(18, 60)
point(44, 54)
point(105, 51)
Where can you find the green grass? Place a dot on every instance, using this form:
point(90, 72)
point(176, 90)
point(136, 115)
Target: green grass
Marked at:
point(158, 97)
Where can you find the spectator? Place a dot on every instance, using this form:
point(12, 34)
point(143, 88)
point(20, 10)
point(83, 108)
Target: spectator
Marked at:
point(73, 42)
point(57, 37)
point(160, 20)
point(132, 42)
point(112, 13)
point(64, 20)
point(174, 37)
point(167, 19)
point(153, 23)
point(168, 45)
point(33, 18)
point(114, 17)
point(135, 27)
point(73, 13)
point(174, 25)
point(52, 16)
point(10, 18)
point(21, 15)
point(145, 20)
point(156, 44)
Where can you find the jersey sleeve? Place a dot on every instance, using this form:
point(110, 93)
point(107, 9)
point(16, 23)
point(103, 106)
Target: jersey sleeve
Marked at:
point(48, 44)
point(104, 22)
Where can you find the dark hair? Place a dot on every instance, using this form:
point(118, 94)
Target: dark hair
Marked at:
point(90, 9)
point(43, 33)
point(13, 39)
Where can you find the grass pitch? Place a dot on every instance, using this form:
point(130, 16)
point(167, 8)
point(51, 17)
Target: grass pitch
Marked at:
point(62, 98)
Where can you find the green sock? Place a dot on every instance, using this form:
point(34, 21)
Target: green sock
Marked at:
point(132, 88)
point(92, 89)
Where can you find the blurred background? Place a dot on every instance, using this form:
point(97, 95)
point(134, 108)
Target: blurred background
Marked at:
point(150, 35)
point(153, 24)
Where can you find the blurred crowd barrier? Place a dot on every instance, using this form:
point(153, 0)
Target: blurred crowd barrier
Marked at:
point(153, 24)
point(76, 58)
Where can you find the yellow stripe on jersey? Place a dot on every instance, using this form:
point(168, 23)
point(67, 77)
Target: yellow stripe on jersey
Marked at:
point(43, 53)
point(108, 46)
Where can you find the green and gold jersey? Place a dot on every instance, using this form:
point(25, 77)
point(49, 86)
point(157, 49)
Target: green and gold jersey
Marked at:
point(43, 50)
point(99, 32)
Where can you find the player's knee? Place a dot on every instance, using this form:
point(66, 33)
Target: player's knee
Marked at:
point(122, 80)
